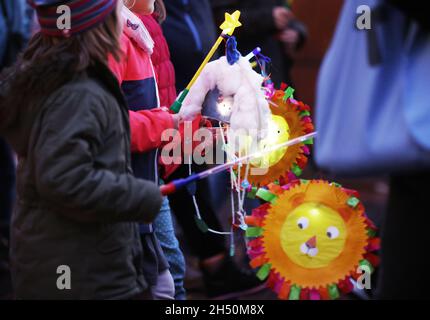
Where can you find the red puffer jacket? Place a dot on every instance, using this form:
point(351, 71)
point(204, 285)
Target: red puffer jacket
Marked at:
point(165, 74)
point(164, 69)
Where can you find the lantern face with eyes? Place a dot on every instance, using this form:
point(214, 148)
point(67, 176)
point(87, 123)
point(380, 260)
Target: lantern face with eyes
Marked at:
point(313, 235)
point(310, 239)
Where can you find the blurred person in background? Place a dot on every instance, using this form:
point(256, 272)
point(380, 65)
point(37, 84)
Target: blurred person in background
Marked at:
point(15, 20)
point(376, 122)
point(7, 191)
point(75, 224)
point(270, 25)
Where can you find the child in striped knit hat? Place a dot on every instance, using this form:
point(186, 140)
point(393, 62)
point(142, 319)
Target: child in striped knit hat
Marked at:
point(74, 231)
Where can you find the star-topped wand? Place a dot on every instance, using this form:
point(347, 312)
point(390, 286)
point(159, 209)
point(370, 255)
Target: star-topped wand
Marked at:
point(228, 26)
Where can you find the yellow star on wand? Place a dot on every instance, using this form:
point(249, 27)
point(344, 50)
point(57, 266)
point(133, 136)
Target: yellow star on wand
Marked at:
point(231, 22)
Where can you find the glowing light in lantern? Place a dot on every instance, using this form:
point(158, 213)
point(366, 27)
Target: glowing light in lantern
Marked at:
point(278, 133)
point(225, 105)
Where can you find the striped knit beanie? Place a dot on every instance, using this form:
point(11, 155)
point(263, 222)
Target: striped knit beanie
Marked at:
point(55, 20)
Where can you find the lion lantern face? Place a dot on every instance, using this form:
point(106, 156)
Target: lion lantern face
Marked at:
point(313, 235)
point(310, 238)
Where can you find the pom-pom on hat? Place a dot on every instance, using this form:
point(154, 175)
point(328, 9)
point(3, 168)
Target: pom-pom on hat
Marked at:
point(84, 14)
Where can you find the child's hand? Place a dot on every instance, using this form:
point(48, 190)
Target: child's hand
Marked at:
point(282, 17)
point(290, 39)
point(190, 111)
point(177, 120)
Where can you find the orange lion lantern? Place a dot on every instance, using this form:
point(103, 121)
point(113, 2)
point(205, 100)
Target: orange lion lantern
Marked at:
point(290, 119)
point(311, 240)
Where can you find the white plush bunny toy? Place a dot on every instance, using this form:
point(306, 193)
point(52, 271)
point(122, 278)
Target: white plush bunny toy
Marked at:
point(240, 86)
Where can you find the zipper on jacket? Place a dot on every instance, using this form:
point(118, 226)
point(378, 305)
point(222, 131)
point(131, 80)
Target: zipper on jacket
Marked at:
point(192, 26)
point(158, 106)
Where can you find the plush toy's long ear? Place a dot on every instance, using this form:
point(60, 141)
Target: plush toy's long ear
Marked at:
point(193, 103)
point(260, 110)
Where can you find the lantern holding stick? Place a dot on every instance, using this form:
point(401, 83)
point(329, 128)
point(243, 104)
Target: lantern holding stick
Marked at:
point(175, 185)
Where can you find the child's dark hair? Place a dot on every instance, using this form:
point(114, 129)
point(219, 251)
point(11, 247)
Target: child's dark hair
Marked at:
point(50, 62)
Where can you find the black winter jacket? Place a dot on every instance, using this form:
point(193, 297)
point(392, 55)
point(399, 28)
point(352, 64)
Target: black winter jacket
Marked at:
point(78, 202)
point(190, 32)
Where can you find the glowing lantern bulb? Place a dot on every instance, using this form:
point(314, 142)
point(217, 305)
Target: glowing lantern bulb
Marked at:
point(278, 133)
